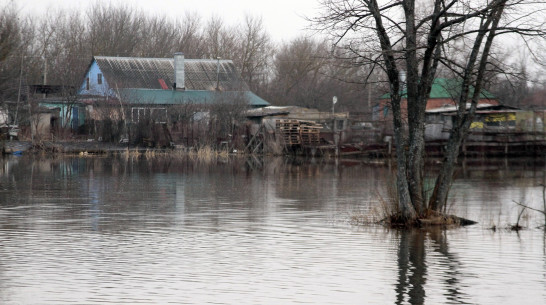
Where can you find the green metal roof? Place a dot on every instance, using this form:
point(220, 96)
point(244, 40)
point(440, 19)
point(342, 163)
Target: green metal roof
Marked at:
point(174, 97)
point(447, 88)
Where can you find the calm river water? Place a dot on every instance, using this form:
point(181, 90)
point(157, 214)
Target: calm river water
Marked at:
point(126, 231)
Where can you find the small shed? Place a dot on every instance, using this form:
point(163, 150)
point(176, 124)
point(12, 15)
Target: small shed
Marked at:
point(488, 118)
point(443, 94)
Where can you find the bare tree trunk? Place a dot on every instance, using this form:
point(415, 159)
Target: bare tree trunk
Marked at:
point(416, 113)
point(406, 209)
point(464, 117)
point(425, 37)
point(405, 206)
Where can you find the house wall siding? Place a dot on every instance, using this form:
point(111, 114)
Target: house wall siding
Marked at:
point(382, 110)
point(94, 87)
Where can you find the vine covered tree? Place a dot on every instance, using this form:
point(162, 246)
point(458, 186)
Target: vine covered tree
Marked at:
point(424, 38)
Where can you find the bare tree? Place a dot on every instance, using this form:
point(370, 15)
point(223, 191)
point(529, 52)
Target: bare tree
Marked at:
point(9, 43)
point(181, 122)
point(63, 55)
point(227, 117)
point(255, 51)
point(400, 35)
point(191, 36)
point(220, 39)
point(306, 73)
point(512, 88)
point(9, 30)
point(161, 35)
point(298, 71)
point(18, 69)
point(114, 30)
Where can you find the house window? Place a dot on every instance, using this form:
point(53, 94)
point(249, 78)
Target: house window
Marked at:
point(139, 114)
point(340, 124)
point(155, 115)
point(87, 83)
point(99, 78)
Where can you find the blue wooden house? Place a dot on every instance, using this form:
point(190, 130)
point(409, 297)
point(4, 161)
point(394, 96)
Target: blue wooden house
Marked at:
point(157, 90)
point(149, 84)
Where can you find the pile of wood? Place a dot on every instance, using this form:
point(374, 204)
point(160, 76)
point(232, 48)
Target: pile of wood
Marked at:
point(310, 133)
point(296, 132)
point(290, 131)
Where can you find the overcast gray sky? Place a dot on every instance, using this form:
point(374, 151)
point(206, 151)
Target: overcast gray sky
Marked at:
point(282, 18)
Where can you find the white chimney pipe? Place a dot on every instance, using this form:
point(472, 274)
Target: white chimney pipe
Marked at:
point(402, 79)
point(179, 71)
point(402, 76)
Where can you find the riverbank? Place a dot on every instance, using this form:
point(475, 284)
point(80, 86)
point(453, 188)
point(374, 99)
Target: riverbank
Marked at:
point(84, 148)
point(434, 149)
point(68, 147)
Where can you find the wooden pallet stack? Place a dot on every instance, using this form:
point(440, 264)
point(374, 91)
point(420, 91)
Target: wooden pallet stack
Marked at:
point(296, 132)
point(310, 133)
point(290, 131)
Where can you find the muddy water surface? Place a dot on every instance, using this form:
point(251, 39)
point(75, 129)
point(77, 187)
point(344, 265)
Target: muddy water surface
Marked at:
point(114, 231)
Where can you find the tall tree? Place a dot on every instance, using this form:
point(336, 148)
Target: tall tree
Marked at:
point(255, 51)
point(9, 30)
point(401, 35)
point(191, 40)
point(114, 30)
point(220, 39)
point(298, 72)
point(10, 40)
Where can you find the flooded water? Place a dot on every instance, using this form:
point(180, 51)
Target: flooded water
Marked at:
point(125, 231)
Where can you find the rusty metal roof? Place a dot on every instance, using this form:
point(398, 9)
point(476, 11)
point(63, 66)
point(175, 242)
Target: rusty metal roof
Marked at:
point(148, 73)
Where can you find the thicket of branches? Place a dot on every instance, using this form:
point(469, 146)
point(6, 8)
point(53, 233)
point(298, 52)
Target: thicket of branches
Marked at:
point(60, 44)
point(458, 39)
point(56, 48)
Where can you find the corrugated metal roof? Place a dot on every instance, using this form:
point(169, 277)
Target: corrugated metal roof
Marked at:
point(146, 73)
point(294, 112)
point(173, 97)
point(480, 108)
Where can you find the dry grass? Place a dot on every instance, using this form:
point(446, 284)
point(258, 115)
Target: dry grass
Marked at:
point(359, 217)
point(273, 145)
point(381, 211)
point(151, 154)
point(387, 207)
point(384, 209)
point(203, 153)
point(206, 154)
point(386, 212)
point(130, 153)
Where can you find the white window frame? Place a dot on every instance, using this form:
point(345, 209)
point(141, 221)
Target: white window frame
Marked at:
point(148, 111)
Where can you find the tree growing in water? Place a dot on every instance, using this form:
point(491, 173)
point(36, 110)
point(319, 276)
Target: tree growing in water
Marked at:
point(422, 38)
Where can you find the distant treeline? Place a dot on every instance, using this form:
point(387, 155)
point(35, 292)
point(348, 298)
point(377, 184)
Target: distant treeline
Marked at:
point(56, 49)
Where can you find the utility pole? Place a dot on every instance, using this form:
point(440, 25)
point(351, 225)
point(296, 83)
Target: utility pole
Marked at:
point(334, 129)
point(44, 95)
point(14, 130)
point(218, 73)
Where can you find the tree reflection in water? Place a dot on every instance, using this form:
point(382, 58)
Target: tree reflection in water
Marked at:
point(413, 271)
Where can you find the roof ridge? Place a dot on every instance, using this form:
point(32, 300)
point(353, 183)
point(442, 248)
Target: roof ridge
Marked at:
point(160, 58)
point(129, 57)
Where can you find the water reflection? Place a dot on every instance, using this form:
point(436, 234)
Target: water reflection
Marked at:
point(450, 264)
point(413, 267)
point(114, 193)
point(268, 231)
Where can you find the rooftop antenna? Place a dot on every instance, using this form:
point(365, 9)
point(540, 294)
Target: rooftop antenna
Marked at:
point(218, 73)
